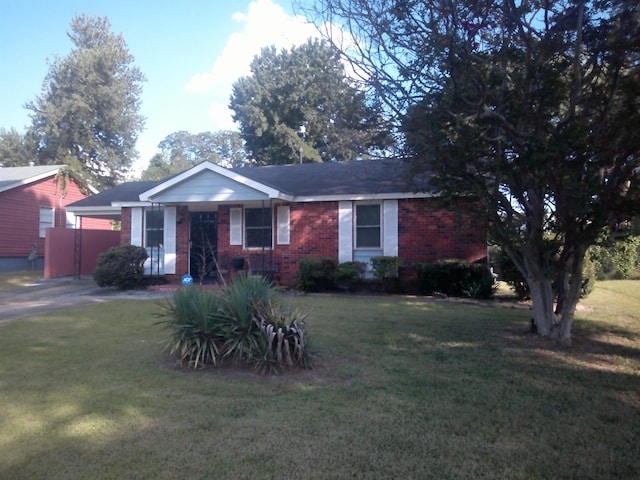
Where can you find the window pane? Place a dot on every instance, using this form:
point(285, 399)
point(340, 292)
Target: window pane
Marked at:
point(154, 228)
point(258, 217)
point(46, 220)
point(258, 237)
point(368, 237)
point(258, 227)
point(368, 215)
point(368, 226)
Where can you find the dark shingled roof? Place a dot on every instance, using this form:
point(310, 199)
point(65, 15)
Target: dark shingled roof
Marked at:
point(300, 180)
point(332, 178)
point(127, 192)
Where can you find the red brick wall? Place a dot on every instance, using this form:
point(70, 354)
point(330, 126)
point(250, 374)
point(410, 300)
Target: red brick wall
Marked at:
point(182, 244)
point(314, 232)
point(20, 215)
point(428, 232)
point(125, 226)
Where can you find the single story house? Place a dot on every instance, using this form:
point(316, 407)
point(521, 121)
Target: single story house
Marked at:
point(32, 200)
point(268, 218)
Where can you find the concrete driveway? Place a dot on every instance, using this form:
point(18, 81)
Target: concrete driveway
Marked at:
point(47, 295)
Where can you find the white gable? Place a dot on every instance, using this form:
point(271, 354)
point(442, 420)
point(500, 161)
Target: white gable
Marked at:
point(207, 186)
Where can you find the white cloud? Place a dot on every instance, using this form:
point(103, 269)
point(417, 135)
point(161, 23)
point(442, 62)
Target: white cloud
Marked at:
point(265, 23)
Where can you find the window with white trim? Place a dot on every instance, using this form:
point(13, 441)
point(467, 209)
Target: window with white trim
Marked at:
point(368, 226)
point(47, 220)
point(258, 228)
point(154, 228)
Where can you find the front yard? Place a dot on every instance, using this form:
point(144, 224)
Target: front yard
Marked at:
point(403, 388)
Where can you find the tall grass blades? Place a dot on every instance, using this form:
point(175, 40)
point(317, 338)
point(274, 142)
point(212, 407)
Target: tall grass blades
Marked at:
point(195, 322)
point(242, 299)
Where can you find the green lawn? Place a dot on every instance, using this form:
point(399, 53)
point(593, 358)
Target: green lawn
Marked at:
point(404, 388)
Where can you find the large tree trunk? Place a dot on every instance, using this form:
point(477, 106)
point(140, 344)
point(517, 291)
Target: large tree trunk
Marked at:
point(569, 291)
point(551, 319)
point(542, 299)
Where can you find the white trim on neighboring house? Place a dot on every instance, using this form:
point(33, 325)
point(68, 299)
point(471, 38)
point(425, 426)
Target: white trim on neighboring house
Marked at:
point(269, 191)
point(136, 226)
point(345, 231)
point(390, 228)
point(170, 240)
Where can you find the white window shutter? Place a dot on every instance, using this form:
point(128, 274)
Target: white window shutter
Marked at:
point(345, 232)
point(390, 228)
point(136, 226)
point(283, 214)
point(170, 240)
point(235, 226)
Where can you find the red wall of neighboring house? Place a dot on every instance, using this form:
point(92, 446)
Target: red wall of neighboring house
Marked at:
point(20, 215)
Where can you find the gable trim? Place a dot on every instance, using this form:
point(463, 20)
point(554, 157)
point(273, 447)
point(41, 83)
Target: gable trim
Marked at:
point(269, 191)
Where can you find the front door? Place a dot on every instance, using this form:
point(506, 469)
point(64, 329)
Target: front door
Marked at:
point(204, 245)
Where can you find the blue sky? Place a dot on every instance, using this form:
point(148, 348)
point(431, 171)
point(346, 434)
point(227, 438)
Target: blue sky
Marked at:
point(191, 53)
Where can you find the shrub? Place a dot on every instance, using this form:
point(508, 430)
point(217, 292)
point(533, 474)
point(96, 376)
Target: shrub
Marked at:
point(316, 274)
point(455, 278)
point(349, 272)
point(121, 267)
point(244, 322)
point(386, 266)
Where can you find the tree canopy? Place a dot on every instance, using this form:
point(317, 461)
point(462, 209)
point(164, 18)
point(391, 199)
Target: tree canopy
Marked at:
point(299, 105)
point(87, 115)
point(17, 150)
point(531, 106)
point(182, 150)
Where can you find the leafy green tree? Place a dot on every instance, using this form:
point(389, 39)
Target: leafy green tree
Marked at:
point(17, 150)
point(182, 150)
point(531, 106)
point(87, 115)
point(299, 105)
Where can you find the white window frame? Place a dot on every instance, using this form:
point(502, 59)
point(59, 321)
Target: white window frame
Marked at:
point(244, 229)
point(45, 222)
point(160, 212)
point(380, 226)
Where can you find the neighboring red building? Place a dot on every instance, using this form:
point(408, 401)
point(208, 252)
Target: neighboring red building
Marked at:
point(31, 200)
point(273, 216)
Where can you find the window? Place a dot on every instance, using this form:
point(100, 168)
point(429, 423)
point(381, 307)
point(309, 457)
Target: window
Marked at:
point(258, 227)
point(71, 220)
point(46, 220)
point(154, 228)
point(368, 229)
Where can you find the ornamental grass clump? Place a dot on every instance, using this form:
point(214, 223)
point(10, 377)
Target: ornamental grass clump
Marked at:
point(243, 322)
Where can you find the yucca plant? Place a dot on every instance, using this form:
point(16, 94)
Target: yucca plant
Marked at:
point(243, 321)
point(242, 300)
point(285, 341)
point(195, 321)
